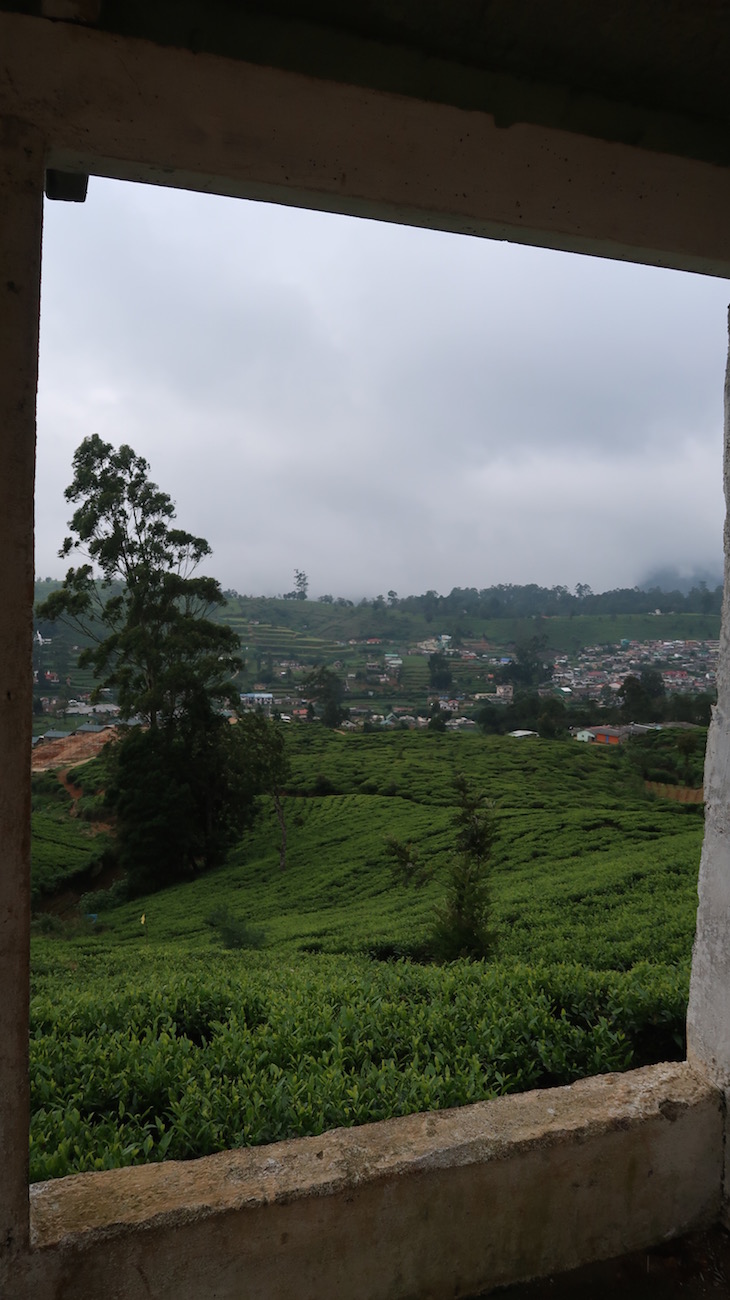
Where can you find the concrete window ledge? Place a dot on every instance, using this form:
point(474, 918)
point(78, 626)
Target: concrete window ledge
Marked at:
point(433, 1205)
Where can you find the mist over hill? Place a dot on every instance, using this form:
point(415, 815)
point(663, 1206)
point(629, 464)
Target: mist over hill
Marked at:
point(671, 578)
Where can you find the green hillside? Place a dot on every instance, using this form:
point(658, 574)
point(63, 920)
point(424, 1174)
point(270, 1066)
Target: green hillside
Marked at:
point(580, 855)
point(309, 632)
point(151, 1039)
point(275, 624)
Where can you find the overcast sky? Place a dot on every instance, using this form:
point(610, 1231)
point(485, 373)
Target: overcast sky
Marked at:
point(380, 406)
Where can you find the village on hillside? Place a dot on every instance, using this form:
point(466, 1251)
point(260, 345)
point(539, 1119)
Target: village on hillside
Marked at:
point(384, 685)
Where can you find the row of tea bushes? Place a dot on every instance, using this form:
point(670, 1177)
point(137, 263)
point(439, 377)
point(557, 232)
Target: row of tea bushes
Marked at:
point(193, 1054)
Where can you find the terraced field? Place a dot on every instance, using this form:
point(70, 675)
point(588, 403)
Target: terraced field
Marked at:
point(150, 1039)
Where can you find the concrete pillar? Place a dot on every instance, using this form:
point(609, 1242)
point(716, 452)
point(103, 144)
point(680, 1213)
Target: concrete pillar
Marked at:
point(708, 1019)
point(21, 211)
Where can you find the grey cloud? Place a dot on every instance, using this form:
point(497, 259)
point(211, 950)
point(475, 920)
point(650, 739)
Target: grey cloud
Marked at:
point(382, 407)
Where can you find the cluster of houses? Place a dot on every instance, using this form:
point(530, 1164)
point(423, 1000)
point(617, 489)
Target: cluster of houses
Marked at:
point(593, 673)
point(401, 718)
point(687, 667)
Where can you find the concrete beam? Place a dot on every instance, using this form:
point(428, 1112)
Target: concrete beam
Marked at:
point(439, 1205)
point(131, 109)
point(21, 200)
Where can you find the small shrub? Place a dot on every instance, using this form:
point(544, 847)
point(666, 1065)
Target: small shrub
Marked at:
point(323, 785)
point(92, 775)
point(406, 865)
point(92, 807)
point(47, 923)
point(391, 951)
point(233, 931)
point(45, 788)
point(461, 925)
point(103, 900)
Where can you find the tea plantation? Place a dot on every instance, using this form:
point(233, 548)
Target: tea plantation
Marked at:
point(152, 1040)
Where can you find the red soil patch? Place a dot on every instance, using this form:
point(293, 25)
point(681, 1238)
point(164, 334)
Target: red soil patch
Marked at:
point(70, 751)
point(679, 793)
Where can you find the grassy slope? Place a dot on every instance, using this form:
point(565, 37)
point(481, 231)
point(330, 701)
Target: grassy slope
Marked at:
point(311, 627)
point(64, 849)
point(585, 867)
point(149, 1042)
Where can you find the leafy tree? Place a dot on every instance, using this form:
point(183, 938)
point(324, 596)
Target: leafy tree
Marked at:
point(529, 669)
point(301, 584)
point(692, 708)
point(263, 740)
point(524, 711)
point(439, 671)
point(472, 821)
point(329, 690)
point(551, 720)
point(135, 598)
point(182, 796)
point(234, 931)
point(653, 683)
point(182, 787)
point(462, 925)
point(637, 704)
point(438, 717)
point(491, 718)
point(690, 746)
point(406, 864)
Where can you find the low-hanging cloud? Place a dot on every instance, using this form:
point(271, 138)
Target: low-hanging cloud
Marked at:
point(379, 406)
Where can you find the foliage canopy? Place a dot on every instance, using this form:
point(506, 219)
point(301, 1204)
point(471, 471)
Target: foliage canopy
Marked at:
point(183, 786)
point(136, 596)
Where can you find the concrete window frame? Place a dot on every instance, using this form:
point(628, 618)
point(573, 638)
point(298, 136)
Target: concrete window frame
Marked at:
point(533, 1183)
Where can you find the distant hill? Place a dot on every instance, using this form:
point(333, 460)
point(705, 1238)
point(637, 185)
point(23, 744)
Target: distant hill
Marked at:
point(311, 631)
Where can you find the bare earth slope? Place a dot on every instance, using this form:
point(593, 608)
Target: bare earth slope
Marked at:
point(70, 751)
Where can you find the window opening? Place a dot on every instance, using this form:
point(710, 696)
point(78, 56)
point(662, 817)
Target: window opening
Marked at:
point(363, 413)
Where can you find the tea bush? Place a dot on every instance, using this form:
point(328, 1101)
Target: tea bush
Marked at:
point(184, 1056)
point(146, 1042)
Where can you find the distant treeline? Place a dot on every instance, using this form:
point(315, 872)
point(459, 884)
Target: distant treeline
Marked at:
point(508, 600)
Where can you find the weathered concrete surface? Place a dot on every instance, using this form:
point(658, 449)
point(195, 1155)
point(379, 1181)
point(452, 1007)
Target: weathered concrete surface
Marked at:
point(128, 108)
point(21, 206)
point(438, 1205)
point(708, 1017)
point(692, 1267)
